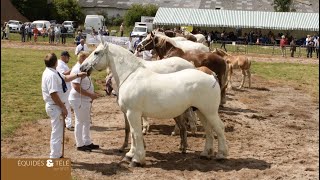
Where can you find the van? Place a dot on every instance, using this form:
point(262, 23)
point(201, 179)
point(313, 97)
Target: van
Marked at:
point(39, 24)
point(70, 25)
point(93, 21)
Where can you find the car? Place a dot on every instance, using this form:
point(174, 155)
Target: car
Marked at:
point(14, 25)
point(70, 25)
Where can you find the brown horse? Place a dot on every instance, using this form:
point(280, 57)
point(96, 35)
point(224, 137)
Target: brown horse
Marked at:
point(165, 48)
point(236, 62)
point(170, 33)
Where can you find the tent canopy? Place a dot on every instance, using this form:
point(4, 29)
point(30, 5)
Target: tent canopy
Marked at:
point(237, 19)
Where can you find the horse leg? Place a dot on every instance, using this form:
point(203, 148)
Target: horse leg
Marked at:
point(176, 130)
point(180, 121)
point(192, 120)
point(229, 77)
point(249, 77)
point(215, 123)
point(137, 151)
point(243, 78)
point(208, 148)
point(145, 125)
point(127, 132)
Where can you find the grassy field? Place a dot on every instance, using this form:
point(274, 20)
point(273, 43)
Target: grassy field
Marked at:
point(21, 98)
point(302, 76)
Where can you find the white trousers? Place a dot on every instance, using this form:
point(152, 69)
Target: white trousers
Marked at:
point(54, 112)
point(68, 119)
point(82, 122)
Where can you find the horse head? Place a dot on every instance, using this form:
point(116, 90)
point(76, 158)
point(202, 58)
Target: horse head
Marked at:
point(96, 60)
point(148, 43)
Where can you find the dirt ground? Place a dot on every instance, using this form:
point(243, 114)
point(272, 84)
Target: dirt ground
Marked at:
point(272, 132)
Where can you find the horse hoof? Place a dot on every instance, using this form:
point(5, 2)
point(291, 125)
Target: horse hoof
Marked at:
point(135, 164)
point(126, 159)
point(206, 157)
point(184, 151)
point(121, 150)
point(220, 157)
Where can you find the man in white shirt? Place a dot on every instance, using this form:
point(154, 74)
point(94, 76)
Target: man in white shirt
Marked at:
point(81, 97)
point(53, 92)
point(81, 47)
point(63, 68)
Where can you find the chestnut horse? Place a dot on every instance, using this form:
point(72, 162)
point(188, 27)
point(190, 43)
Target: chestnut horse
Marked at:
point(236, 62)
point(165, 48)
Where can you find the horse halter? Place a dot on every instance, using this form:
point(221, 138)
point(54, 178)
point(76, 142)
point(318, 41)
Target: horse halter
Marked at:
point(153, 41)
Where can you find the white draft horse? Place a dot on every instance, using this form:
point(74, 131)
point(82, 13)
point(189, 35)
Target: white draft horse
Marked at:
point(146, 93)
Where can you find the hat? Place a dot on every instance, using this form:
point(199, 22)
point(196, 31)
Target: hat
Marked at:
point(65, 53)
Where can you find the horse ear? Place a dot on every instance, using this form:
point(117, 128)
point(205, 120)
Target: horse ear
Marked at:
point(105, 44)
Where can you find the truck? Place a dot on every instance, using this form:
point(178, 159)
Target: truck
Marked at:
point(93, 21)
point(147, 19)
point(141, 29)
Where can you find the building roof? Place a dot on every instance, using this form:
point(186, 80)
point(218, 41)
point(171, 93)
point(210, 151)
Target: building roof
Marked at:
point(308, 6)
point(241, 19)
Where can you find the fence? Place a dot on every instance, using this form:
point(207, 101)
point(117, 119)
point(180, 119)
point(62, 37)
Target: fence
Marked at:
point(269, 49)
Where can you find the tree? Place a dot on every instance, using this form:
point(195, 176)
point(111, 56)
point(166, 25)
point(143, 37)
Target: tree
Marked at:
point(283, 5)
point(32, 9)
point(135, 12)
point(67, 10)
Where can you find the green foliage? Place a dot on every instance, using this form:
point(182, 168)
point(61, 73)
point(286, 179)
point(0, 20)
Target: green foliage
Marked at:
point(135, 12)
point(67, 10)
point(33, 10)
point(60, 10)
point(282, 5)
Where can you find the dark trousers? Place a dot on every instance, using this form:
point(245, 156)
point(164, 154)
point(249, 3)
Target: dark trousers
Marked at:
point(23, 37)
point(309, 52)
point(292, 53)
point(3, 35)
point(29, 36)
point(51, 39)
point(63, 38)
point(121, 33)
point(317, 52)
point(223, 45)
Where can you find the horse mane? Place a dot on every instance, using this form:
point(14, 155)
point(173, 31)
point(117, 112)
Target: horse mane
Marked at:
point(163, 39)
point(132, 59)
point(222, 52)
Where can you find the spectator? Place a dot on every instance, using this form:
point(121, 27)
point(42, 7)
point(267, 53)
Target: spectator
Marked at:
point(53, 92)
point(44, 32)
point(81, 97)
point(310, 46)
point(3, 30)
point(7, 31)
point(35, 34)
point(30, 31)
point(81, 47)
point(64, 34)
point(23, 33)
point(129, 44)
point(63, 68)
point(106, 32)
point(57, 34)
point(78, 38)
point(137, 42)
point(292, 47)
point(223, 41)
point(51, 34)
point(283, 45)
point(316, 45)
point(121, 29)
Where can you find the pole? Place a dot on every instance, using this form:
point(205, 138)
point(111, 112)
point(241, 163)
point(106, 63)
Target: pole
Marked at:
point(64, 126)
